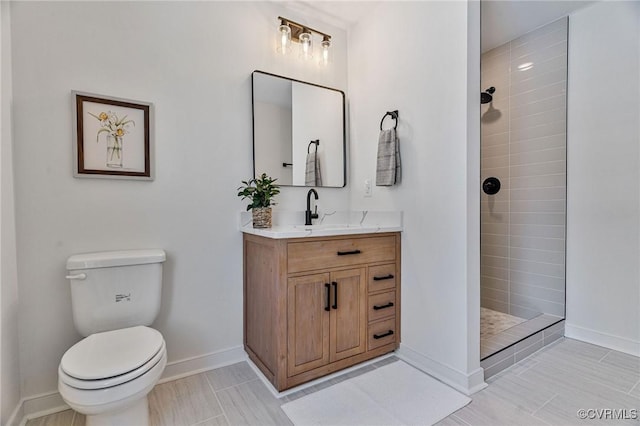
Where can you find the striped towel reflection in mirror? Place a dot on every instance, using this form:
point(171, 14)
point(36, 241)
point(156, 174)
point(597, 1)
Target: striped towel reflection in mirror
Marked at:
point(313, 176)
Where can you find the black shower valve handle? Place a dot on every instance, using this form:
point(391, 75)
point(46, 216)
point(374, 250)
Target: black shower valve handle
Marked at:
point(491, 186)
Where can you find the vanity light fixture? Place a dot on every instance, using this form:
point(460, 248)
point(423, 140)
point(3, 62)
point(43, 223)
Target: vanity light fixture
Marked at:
point(284, 38)
point(326, 44)
point(306, 44)
point(290, 31)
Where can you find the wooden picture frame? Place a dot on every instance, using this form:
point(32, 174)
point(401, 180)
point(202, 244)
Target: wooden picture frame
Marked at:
point(112, 137)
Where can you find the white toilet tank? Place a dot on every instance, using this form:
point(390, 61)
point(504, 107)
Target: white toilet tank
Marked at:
point(115, 289)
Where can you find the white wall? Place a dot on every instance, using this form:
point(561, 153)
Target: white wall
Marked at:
point(603, 202)
point(194, 62)
point(412, 56)
point(9, 360)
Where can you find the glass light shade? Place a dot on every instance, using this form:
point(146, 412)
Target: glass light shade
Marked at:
point(306, 45)
point(284, 39)
point(325, 58)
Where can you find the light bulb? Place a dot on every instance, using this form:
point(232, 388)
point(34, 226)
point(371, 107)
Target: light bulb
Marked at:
point(284, 39)
point(306, 44)
point(326, 44)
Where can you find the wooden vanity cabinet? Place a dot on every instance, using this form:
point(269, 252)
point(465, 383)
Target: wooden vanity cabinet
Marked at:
point(317, 305)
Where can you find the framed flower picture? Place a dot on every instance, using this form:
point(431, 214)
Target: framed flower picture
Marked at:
point(112, 137)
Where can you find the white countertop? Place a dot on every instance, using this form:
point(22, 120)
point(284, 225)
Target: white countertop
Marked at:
point(290, 224)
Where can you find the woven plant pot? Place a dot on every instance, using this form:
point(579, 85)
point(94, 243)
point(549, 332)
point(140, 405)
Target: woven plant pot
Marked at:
point(261, 217)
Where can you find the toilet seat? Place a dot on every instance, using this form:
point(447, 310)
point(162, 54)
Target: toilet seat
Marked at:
point(108, 359)
point(101, 401)
point(111, 381)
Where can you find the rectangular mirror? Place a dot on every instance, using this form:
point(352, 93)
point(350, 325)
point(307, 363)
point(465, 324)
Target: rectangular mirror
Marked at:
point(298, 132)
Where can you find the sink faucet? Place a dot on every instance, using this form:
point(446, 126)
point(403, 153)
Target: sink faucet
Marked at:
point(307, 214)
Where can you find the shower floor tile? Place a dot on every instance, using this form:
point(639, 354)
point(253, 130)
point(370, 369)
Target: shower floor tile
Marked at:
point(493, 322)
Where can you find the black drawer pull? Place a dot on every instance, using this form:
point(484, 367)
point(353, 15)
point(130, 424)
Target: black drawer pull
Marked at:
point(377, 307)
point(344, 253)
point(386, 277)
point(335, 294)
point(380, 336)
point(328, 288)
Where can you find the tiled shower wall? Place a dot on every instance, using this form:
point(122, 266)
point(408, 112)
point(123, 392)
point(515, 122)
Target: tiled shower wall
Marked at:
point(524, 145)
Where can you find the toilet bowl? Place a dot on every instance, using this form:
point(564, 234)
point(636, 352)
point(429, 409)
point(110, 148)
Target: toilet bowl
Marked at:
point(108, 375)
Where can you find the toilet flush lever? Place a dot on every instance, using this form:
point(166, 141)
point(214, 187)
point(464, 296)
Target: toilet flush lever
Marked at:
point(77, 277)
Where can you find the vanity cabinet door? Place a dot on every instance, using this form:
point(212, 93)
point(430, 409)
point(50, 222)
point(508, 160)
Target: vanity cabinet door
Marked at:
point(308, 298)
point(348, 313)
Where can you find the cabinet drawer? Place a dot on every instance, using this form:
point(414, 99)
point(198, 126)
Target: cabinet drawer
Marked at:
point(312, 255)
point(382, 333)
point(382, 277)
point(382, 305)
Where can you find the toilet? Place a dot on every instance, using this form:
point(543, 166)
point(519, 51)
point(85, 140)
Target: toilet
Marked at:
point(115, 297)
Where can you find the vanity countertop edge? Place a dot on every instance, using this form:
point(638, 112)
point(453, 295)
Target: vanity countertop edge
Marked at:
point(282, 232)
point(287, 224)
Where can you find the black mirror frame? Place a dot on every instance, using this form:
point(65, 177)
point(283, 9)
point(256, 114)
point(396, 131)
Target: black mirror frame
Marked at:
point(344, 125)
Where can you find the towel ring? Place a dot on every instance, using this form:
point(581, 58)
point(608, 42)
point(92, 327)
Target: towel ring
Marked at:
point(394, 116)
point(316, 143)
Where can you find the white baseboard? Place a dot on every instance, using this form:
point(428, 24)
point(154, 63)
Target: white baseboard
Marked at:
point(16, 416)
point(49, 403)
point(618, 343)
point(468, 384)
point(198, 364)
point(37, 406)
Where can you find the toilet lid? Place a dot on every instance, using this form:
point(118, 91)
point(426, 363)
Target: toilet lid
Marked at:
point(115, 380)
point(111, 353)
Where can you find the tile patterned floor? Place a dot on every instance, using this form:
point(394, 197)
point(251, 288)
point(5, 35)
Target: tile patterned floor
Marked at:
point(493, 322)
point(548, 388)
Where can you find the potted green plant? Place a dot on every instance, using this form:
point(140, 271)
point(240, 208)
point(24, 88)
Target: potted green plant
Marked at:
point(260, 191)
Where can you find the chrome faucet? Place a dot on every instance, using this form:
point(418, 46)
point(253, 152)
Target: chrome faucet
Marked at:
point(307, 214)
